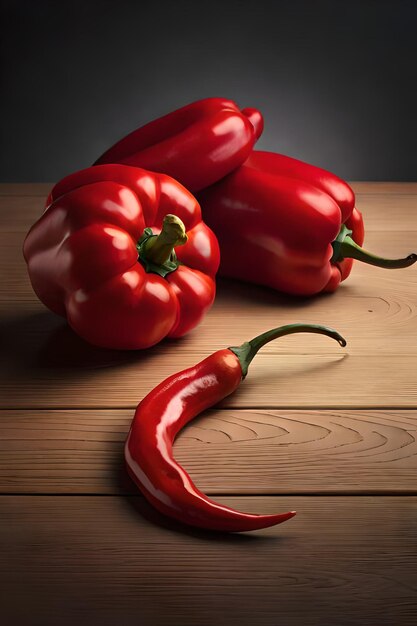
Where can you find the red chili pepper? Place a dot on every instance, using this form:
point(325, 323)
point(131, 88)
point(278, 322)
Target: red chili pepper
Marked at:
point(288, 225)
point(172, 404)
point(197, 145)
point(95, 256)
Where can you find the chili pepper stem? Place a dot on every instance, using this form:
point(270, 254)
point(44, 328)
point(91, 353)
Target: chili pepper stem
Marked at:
point(248, 350)
point(345, 248)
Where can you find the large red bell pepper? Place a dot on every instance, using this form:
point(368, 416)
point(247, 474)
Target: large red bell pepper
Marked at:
point(288, 225)
point(95, 256)
point(197, 145)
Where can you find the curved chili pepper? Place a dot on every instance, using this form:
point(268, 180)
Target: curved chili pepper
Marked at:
point(172, 404)
point(102, 255)
point(287, 225)
point(197, 145)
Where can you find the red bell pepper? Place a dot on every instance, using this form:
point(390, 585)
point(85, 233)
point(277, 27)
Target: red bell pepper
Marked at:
point(95, 256)
point(197, 145)
point(172, 404)
point(288, 225)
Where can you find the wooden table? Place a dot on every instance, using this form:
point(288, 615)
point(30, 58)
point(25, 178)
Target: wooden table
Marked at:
point(329, 432)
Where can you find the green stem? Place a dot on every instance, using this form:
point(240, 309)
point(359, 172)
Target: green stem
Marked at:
point(345, 248)
point(248, 350)
point(158, 250)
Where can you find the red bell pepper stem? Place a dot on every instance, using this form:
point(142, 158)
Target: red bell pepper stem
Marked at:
point(172, 404)
point(248, 350)
point(158, 248)
point(345, 248)
point(156, 252)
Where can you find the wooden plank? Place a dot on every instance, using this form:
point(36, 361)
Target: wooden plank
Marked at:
point(66, 373)
point(376, 288)
point(107, 560)
point(44, 364)
point(226, 452)
point(386, 213)
point(25, 189)
point(18, 213)
point(363, 315)
point(383, 188)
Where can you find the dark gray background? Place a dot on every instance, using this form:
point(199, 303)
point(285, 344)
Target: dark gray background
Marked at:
point(336, 81)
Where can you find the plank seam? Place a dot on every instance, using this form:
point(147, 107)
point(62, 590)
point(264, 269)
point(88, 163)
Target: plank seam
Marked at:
point(282, 407)
point(232, 494)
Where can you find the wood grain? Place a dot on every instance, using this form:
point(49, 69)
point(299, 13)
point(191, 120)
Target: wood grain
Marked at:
point(287, 381)
point(383, 188)
point(18, 213)
point(387, 213)
point(106, 560)
point(229, 451)
point(44, 364)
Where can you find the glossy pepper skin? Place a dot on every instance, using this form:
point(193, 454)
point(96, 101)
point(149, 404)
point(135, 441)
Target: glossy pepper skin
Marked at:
point(280, 222)
point(197, 144)
point(172, 404)
point(90, 259)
